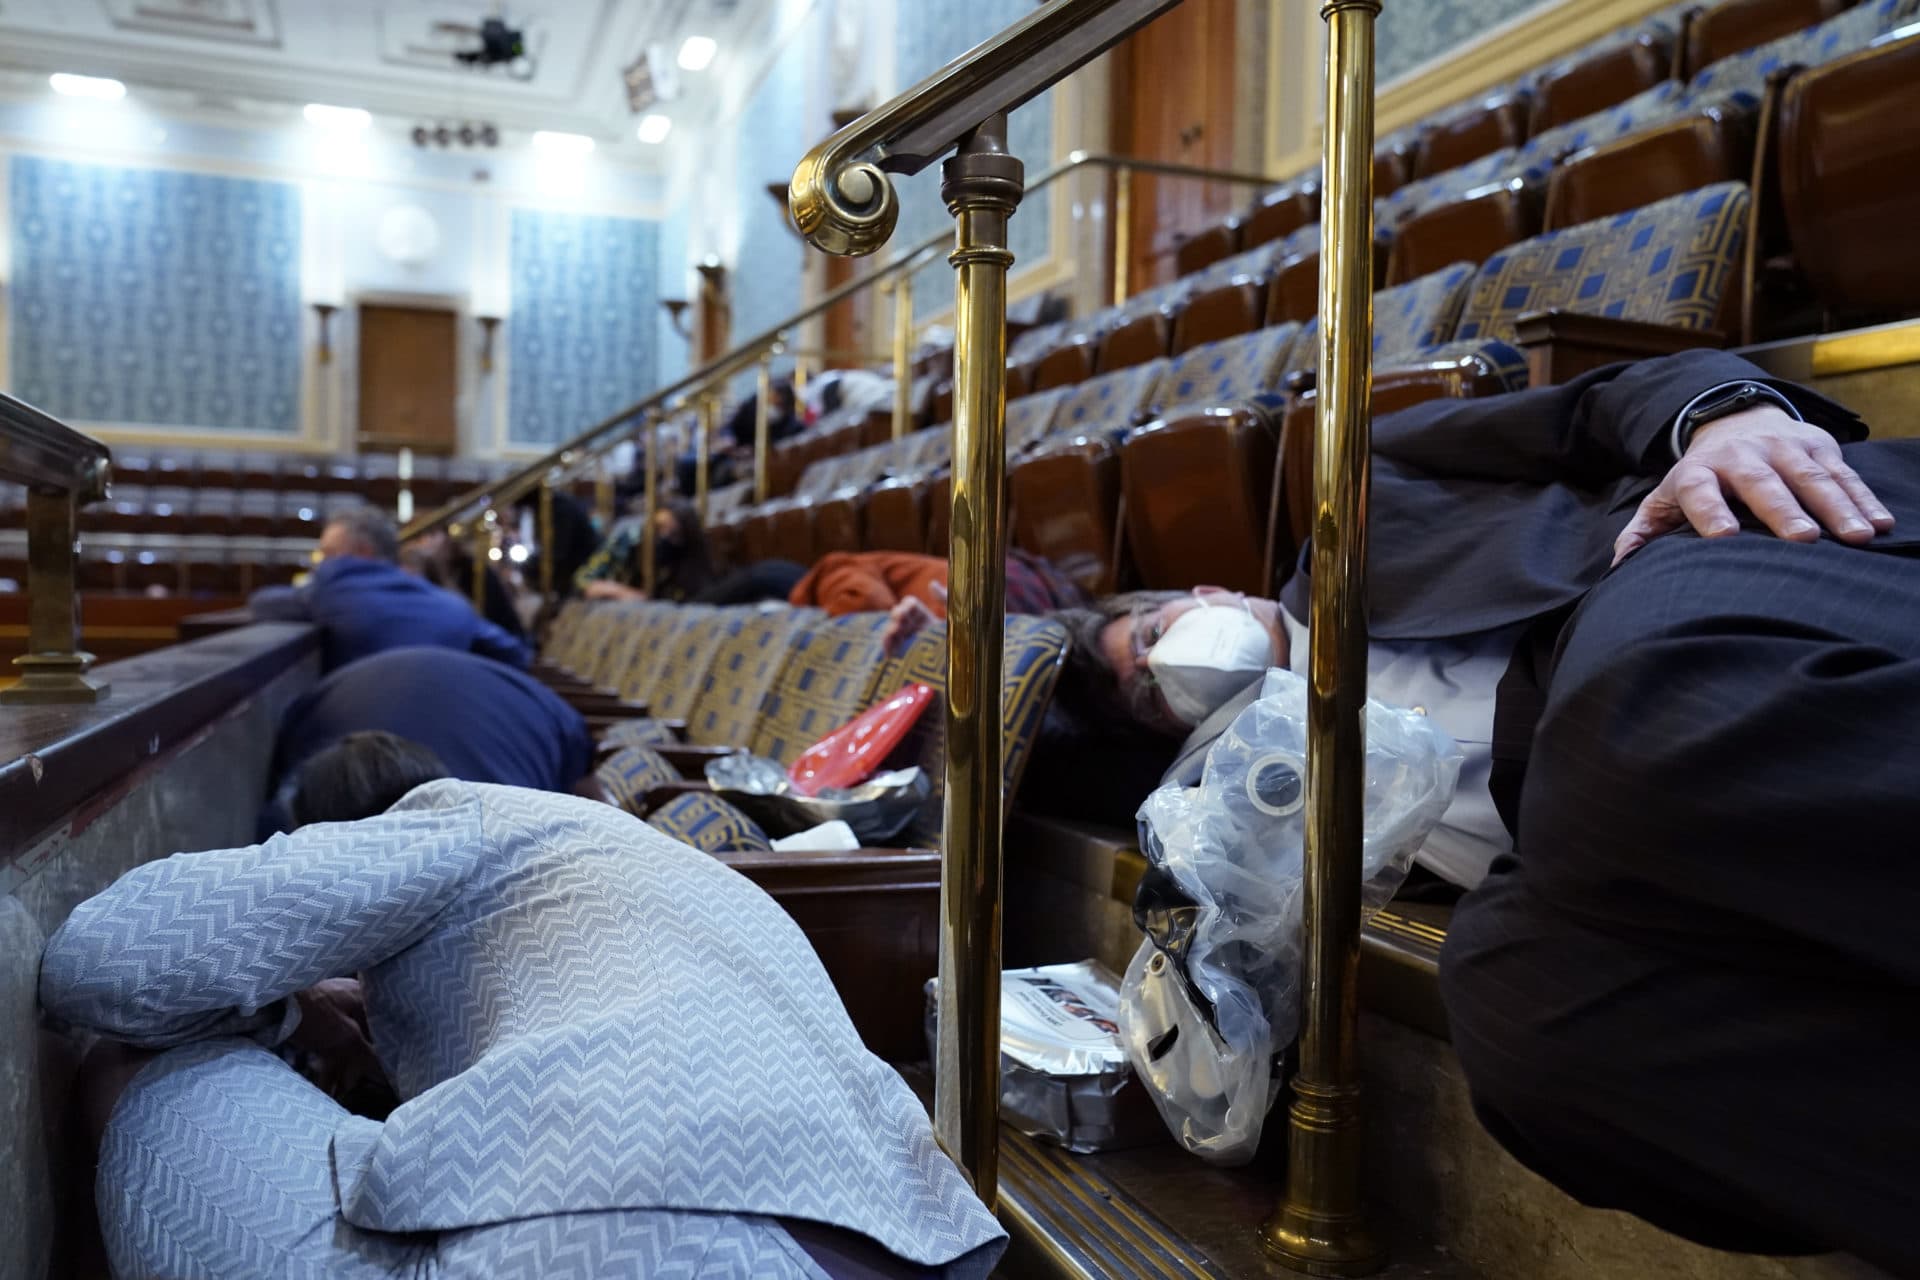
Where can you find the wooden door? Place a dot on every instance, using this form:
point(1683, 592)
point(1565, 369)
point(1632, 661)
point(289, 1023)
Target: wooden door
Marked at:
point(407, 380)
point(1173, 99)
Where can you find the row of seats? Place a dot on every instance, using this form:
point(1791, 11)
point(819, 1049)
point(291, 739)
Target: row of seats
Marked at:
point(772, 682)
point(199, 566)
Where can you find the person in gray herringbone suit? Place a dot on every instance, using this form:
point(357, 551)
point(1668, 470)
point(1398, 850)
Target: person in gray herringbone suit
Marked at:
point(615, 1057)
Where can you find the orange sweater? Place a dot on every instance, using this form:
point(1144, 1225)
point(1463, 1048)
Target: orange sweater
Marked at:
point(871, 582)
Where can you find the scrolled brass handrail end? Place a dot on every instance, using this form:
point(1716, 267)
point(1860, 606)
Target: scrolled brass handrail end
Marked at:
point(844, 207)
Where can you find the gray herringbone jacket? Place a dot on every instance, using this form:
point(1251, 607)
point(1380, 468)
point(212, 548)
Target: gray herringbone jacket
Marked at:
point(578, 1012)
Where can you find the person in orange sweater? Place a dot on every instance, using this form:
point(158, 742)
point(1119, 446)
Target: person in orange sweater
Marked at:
point(913, 588)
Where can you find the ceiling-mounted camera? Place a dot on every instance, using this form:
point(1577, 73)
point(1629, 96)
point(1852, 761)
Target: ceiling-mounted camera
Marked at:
point(499, 45)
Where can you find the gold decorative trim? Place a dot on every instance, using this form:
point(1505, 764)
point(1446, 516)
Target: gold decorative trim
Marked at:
point(1881, 347)
point(1529, 40)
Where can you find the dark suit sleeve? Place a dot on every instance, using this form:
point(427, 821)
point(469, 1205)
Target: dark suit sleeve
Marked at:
point(1594, 430)
point(491, 641)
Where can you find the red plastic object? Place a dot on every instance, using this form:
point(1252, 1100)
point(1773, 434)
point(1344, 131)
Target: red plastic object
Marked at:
point(855, 751)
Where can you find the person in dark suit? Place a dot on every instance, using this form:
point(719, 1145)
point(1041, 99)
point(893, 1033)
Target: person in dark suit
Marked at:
point(364, 602)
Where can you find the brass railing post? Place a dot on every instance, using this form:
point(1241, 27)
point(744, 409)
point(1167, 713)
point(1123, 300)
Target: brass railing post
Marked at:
point(482, 544)
point(603, 492)
point(762, 416)
point(1122, 231)
point(1320, 1227)
point(902, 353)
point(981, 185)
point(546, 540)
point(54, 668)
point(709, 418)
point(649, 562)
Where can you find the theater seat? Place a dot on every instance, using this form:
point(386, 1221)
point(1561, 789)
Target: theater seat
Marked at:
point(1647, 282)
point(1849, 178)
point(1610, 72)
point(1712, 143)
point(1281, 212)
point(1207, 246)
point(1734, 26)
point(1847, 32)
point(1493, 122)
point(1470, 229)
point(1230, 297)
point(1293, 296)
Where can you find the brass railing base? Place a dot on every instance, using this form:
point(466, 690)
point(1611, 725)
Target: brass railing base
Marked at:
point(1316, 1246)
point(1319, 1228)
point(48, 679)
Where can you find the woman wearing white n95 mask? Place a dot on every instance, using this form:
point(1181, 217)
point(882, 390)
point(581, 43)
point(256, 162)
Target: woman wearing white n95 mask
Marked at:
point(1176, 661)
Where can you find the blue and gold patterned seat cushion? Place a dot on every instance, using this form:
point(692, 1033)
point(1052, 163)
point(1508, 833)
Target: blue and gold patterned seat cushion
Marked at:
point(1666, 263)
point(641, 679)
point(928, 450)
point(639, 732)
point(1257, 263)
point(685, 659)
point(629, 622)
point(1746, 72)
point(1408, 319)
point(1112, 402)
point(1031, 416)
point(630, 773)
point(1034, 650)
point(825, 683)
point(744, 668)
point(1665, 101)
point(1248, 367)
point(1161, 298)
point(1030, 346)
point(1418, 196)
point(709, 824)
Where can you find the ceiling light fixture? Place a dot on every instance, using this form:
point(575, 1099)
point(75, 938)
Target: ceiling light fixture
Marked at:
point(654, 128)
point(319, 113)
point(696, 53)
point(97, 87)
point(572, 144)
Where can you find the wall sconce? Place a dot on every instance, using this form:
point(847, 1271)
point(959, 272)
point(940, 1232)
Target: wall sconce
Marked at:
point(677, 315)
point(325, 311)
point(487, 326)
point(712, 270)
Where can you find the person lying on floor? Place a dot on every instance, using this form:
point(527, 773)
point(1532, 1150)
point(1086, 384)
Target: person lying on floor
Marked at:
point(486, 721)
point(913, 587)
point(1673, 608)
point(614, 1055)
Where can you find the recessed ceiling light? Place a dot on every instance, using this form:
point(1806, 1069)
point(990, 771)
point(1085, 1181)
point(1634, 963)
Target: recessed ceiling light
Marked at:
point(577, 144)
point(336, 117)
point(696, 53)
point(87, 87)
point(654, 128)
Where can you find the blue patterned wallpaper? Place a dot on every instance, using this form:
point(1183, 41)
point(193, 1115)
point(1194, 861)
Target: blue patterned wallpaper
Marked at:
point(928, 34)
point(771, 134)
point(1413, 32)
point(581, 335)
point(154, 296)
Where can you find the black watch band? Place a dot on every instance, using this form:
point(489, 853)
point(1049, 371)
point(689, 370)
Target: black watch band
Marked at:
point(1734, 398)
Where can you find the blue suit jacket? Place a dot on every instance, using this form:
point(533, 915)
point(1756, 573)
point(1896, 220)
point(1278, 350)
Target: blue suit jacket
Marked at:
point(365, 606)
point(579, 1013)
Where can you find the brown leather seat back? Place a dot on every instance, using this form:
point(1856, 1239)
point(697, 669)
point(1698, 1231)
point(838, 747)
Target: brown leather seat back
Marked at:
point(1225, 312)
point(939, 512)
point(1064, 365)
point(1197, 490)
point(1579, 87)
point(1137, 341)
point(1294, 295)
point(1280, 212)
point(1734, 26)
point(1207, 246)
point(1467, 230)
point(877, 427)
point(1467, 134)
point(836, 522)
point(792, 532)
point(757, 538)
point(1065, 499)
point(1392, 169)
point(896, 516)
point(1709, 146)
point(1850, 178)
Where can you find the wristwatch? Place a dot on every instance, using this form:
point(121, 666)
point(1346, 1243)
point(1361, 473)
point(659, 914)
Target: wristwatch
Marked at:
point(1723, 402)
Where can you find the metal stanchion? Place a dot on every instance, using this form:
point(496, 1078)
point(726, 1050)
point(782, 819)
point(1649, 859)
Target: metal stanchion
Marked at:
point(709, 419)
point(1320, 1227)
point(982, 186)
point(546, 541)
point(649, 559)
point(482, 544)
point(902, 354)
point(1122, 232)
point(762, 413)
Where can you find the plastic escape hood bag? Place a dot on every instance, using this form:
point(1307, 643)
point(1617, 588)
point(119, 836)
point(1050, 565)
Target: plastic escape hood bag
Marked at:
point(1213, 993)
point(851, 753)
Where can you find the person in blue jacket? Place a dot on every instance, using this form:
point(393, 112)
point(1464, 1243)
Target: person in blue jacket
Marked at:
point(485, 721)
point(364, 602)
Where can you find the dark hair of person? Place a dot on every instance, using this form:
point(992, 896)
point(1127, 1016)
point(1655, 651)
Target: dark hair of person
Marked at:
point(359, 776)
point(1088, 681)
point(686, 565)
point(371, 527)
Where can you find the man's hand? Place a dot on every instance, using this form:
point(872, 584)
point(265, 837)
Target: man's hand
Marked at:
point(608, 589)
point(1788, 473)
point(907, 620)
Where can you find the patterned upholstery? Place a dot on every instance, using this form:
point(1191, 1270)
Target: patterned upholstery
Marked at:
point(1746, 72)
point(629, 773)
point(1444, 188)
point(929, 450)
point(1034, 650)
point(1663, 102)
point(627, 625)
point(686, 657)
point(1036, 342)
point(744, 668)
point(709, 824)
point(1031, 416)
point(662, 640)
point(1500, 359)
point(1248, 367)
point(1408, 319)
point(825, 684)
point(1112, 401)
point(1666, 263)
point(563, 635)
point(639, 733)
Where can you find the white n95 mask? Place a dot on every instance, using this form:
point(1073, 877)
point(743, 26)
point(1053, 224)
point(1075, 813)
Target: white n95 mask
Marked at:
point(1207, 656)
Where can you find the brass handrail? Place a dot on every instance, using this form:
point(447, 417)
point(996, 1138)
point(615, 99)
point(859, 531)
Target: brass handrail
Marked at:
point(613, 430)
point(63, 471)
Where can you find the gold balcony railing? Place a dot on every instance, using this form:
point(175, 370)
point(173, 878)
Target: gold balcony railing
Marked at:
point(844, 203)
point(63, 471)
point(475, 512)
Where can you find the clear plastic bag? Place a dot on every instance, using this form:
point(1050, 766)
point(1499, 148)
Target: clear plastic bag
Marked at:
point(1213, 994)
point(878, 809)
